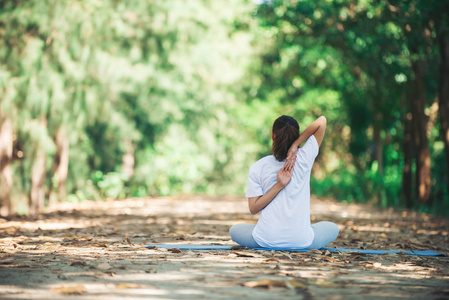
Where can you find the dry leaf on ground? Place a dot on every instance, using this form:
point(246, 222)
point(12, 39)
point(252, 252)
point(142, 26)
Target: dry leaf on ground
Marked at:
point(104, 266)
point(78, 263)
point(127, 239)
point(314, 251)
point(70, 290)
point(294, 284)
point(124, 286)
point(241, 254)
point(103, 245)
point(265, 283)
point(174, 250)
point(271, 259)
point(331, 259)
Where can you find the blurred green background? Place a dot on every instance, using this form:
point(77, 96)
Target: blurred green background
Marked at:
point(103, 98)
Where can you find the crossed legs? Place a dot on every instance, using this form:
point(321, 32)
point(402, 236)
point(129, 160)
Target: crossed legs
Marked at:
point(325, 233)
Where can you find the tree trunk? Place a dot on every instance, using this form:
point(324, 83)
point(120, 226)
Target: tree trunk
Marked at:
point(377, 125)
point(378, 151)
point(37, 192)
point(443, 97)
point(408, 156)
point(6, 145)
point(128, 159)
point(422, 153)
point(60, 166)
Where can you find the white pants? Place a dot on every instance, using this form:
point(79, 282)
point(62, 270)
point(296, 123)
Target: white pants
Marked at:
point(325, 233)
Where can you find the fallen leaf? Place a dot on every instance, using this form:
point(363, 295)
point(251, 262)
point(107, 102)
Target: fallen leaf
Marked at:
point(70, 290)
point(418, 246)
point(265, 283)
point(174, 250)
point(151, 271)
point(331, 259)
point(77, 238)
point(124, 286)
point(103, 245)
point(241, 254)
point(358, 257)
point(271, 259)
point(356, 240)
point(237, 247)
point(22, 266)
point(324, 283)
point(311, 264)
point(314, 251)
point(77, 263)
point(294, 284)
point(104, 266)
point(128, 240)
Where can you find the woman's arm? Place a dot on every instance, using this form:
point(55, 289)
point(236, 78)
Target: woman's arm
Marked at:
point(317, 128)
point(258, 203)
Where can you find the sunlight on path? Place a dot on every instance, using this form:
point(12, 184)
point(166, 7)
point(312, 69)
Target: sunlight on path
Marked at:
point(97, 250)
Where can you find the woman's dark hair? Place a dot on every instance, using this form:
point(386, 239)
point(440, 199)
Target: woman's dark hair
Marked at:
point(285, 131)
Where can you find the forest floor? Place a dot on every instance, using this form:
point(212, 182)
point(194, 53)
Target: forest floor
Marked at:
point(94, 250)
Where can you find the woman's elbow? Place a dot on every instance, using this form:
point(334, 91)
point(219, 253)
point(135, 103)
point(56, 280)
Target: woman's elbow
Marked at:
point(254, 206)
point(253, 211)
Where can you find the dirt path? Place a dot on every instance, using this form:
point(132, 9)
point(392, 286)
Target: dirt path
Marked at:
point(81, 251)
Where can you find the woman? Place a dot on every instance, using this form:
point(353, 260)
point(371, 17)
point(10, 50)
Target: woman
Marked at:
point(279, 188)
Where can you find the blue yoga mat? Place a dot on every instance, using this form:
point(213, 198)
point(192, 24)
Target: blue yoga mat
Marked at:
point(236, 247)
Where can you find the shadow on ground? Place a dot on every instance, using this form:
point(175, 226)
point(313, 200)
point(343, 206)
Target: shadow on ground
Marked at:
point(96, 250)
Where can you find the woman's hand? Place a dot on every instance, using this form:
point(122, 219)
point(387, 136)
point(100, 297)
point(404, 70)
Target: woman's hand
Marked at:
point(284, 176)
point(258, 203)
point(291, 158)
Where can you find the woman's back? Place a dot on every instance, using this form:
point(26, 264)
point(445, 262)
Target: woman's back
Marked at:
point(285, 221)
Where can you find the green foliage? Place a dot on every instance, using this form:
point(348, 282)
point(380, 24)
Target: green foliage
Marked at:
point(191, 98)
point(360, 55)
point(111, 185)
point(163, 79)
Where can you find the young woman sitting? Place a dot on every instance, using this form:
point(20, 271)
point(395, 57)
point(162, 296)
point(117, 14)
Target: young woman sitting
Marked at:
point(279, 188)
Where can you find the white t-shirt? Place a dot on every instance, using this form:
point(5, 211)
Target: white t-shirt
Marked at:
point(285, 221)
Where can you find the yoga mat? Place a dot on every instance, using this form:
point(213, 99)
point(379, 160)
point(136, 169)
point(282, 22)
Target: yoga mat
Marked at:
point(236, 247)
